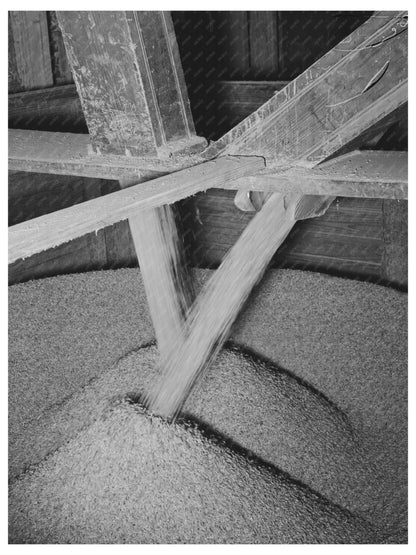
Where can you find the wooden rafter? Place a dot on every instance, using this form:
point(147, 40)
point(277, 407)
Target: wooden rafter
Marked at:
point(362, 174)
point(339, 97)
point(50, 230)
point(72, 154)
point(368, 174)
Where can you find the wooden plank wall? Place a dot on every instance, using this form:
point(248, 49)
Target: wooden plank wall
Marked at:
point(235, 71)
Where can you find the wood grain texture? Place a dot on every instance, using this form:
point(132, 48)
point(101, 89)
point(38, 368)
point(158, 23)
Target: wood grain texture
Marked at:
point(231, 102)
point(332, 102)
point(376, 174)
point(365, 174)
point(101, 53)
point(48, 231)
point(71, 154)
point(347, 240)
point(131, 91)
point(29, 33)
point(33, 195)
point(129, 77)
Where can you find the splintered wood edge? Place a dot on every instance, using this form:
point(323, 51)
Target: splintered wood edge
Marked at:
point(48, 231)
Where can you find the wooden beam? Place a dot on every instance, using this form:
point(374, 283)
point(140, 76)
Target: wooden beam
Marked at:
point(51, 108)
point(131, 88)
point(286, 130)
point(362, 174)
point(72, 154)
point(60, 108)
point(334, 101)
point(59, 227)
point(369, 174)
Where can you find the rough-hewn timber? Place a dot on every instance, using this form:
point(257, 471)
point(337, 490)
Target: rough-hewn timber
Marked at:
point(127, 69)
point(131, 88)
point(365, 174)
point(369, 174)
point(71, 154)
point(53, 229)
point(338, 98)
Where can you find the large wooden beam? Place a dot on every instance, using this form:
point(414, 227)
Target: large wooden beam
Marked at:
point(127, 70)
point(129, 80)
point(59, 227)
point(361, 174)
point(60, 107)
point(72, 154)
point(331, 103)
point(302, 123)
point(368, 174)
point(48, 109)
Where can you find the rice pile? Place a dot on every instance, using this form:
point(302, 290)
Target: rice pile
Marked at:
point(297, 434)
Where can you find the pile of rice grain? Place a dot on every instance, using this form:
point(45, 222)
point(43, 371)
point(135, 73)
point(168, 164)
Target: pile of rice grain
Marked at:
point(275, 453)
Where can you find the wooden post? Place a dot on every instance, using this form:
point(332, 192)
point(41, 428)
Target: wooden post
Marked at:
point(128, 74)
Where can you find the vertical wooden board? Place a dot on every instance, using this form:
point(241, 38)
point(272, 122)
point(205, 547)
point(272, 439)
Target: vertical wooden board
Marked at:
point(132, 92)
point(264, 45)
point(165, 83)
point(135, 102)
point(104, 66)
point(62, 74)
point(395, 239)
point(29, 31)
